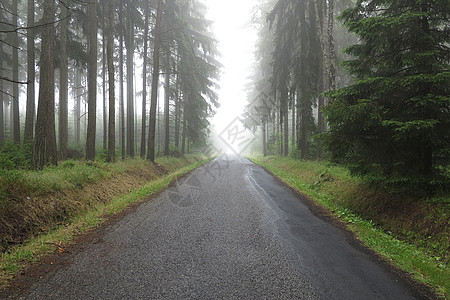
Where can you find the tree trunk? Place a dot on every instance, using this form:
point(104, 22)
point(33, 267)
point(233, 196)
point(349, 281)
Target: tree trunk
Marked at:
point(77, 121)
point(293, 126)
point(331, 50)
point(121, 94)
point(155, 79)
point(63, 82)
point(44, 149)
point(2, 120)
point(111, 157)
point(129, 43)
point(177, 115)
point(183, 134)
point(15, 69)
point(286, 130)
point(31, 74)
point(144, 83)
point(92, 81)
point(166, 106)
point(105, 114)
point(264, 138)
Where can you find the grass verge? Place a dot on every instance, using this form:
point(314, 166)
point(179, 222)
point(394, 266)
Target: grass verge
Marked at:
point(410, 233)
point(18, 257)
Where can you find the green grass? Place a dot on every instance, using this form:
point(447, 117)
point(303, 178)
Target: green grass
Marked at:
point(332, 187)
point(17, 258)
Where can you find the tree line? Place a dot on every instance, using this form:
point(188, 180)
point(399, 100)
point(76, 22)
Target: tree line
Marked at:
point(362, 83)
point(82, 50)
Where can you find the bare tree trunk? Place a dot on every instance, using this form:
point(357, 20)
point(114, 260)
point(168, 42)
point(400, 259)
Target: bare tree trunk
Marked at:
point(183, 134)
point(63, 82)
point(129, 43)
point(31, 74)
point(92, 81)
point(144, 83)
point(77, 107)
point(293, 117)
point(121, 94)
point(15, 69)
point(111, 157)
point(44, 149)
point(177, 115)
point(155, 79)
point(105, 114)
point(2, 120)
point(264, 138)
point(332, 51)
point(166, 106)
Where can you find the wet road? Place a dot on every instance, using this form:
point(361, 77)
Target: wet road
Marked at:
point(226, 231)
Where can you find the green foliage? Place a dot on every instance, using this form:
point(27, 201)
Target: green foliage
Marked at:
point(393, 125)
point(174, 151)
point(14, 156)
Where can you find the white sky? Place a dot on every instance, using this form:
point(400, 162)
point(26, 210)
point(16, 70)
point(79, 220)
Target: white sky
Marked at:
point(233, 30)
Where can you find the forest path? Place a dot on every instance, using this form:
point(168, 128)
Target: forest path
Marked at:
point(228, 230)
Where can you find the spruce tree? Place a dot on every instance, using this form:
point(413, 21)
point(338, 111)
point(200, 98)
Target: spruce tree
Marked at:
point(393, 123)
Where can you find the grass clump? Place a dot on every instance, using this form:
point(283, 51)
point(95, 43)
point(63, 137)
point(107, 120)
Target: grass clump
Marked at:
point(411, 232)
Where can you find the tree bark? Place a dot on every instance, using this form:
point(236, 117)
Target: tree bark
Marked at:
point(2, 120)
point(44, 149)
point(331, 50)
point(144, 83)
point(92, 81)
point(111, 157)
point(77, 106)
point(63, 83)
point(129, 43)
point(31, 74)
point(15, 69)
point(264, 139)
point(166, 106)
point(105, 114)
point(121, 94)
point(155, 79)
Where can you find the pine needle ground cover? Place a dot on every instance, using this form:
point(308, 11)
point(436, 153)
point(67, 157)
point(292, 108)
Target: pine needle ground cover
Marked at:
point(412, 233)
point(42, 211)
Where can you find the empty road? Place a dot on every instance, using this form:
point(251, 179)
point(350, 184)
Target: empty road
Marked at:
point(228, 230)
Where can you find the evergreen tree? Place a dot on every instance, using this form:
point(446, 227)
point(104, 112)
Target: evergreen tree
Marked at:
point(393, 124)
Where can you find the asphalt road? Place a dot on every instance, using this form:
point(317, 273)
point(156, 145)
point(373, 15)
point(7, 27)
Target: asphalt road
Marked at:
point(227, 231)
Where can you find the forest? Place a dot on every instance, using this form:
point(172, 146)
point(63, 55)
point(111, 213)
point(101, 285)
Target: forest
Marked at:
point(59, 59)
point(106, 102)
point(364, 84)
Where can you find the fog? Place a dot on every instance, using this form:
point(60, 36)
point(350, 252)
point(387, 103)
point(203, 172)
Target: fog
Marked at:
point(236, 37)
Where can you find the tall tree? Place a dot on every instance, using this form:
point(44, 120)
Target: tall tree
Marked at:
point(155, 79)
point(112, 101)
point(144, 81)
point(15, 70)
point(63, 84)
point(129, 43)
point(44, 149)
point(105, 121)
point(31, 74)
point(167, 105)
point(394, 123)
point(92, 80)
point(121, 93)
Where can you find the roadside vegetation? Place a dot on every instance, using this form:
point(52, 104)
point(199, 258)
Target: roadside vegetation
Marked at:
point(42, 211)
point(411, 231)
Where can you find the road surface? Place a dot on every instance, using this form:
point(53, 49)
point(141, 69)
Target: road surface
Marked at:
point(228, 230)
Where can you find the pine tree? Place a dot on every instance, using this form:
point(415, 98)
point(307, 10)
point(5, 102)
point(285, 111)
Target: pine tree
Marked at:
point(393, 124)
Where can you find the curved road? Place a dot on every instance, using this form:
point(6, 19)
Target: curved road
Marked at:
point(229, 230)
